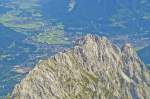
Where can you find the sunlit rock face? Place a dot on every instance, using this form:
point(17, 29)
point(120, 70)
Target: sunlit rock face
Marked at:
point(94, 69)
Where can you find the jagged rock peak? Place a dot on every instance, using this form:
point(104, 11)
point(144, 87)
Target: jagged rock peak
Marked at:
point(94, 69)
point(128, 49)
point(91, 38)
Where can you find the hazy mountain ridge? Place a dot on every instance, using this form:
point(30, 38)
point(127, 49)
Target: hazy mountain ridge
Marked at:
point(93, 69)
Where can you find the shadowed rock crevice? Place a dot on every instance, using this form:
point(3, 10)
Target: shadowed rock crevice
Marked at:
point(94, 69)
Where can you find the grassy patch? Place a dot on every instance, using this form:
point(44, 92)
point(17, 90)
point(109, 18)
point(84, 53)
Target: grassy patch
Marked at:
point(4, 56)
point(52, 37)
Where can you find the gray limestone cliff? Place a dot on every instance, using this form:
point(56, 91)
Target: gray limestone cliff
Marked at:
point(94, 69)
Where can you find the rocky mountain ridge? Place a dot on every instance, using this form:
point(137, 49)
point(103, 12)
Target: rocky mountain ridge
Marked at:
point(94, 69)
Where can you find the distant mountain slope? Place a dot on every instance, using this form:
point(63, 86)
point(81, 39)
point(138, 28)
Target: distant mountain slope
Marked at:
point(145, 54)
point(93, 69)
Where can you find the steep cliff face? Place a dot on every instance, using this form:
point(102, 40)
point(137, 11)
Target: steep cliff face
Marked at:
point(94, 69)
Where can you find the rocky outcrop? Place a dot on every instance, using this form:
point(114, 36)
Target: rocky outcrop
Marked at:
point(94, 69)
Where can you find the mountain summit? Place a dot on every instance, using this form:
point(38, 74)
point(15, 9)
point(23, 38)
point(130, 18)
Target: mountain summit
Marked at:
point(94, 69)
